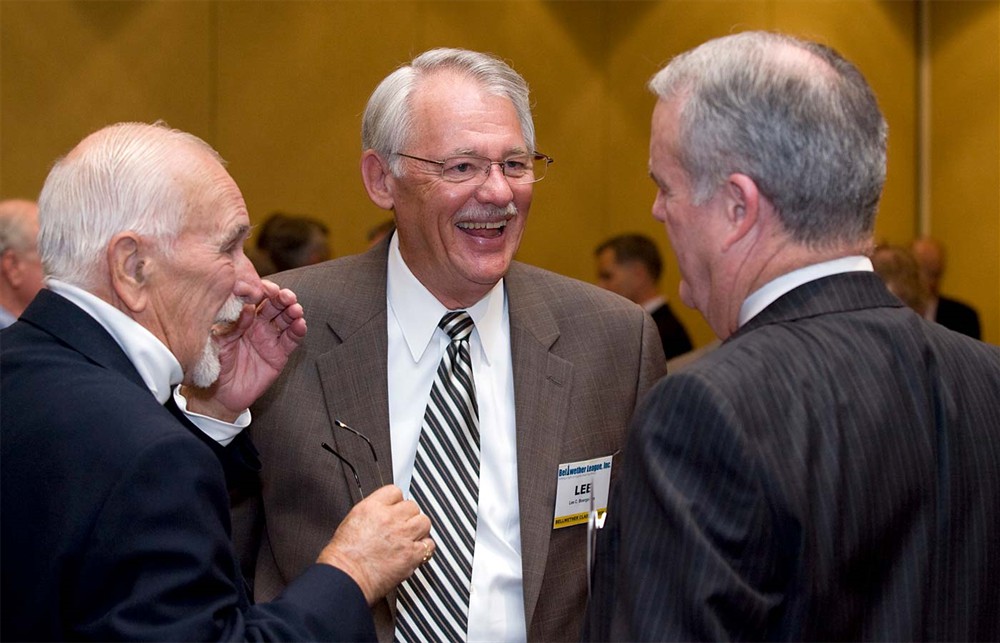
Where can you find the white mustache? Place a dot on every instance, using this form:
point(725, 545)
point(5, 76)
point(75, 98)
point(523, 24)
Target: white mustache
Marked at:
point(478, 213)
point(230, 310)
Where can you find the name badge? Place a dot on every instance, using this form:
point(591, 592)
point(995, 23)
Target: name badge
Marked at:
point(582, 487)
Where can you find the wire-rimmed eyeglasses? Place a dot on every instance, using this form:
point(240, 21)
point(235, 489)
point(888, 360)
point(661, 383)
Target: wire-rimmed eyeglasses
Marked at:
point(468, 168)
point(347, 462)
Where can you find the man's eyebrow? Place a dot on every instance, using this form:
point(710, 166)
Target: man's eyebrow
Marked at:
point(238, 233)
point(518, 150)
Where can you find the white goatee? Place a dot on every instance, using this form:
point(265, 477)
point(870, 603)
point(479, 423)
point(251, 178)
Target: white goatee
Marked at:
point(206, 371)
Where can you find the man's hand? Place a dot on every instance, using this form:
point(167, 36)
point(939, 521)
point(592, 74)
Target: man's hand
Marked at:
point(380, 542)
point(252, 352)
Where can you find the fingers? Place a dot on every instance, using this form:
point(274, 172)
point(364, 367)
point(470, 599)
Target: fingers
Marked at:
point(280, 315)
point(389, 494)
point(380, 542)
point(425, 549)
point(418, 524)
point(279, 305)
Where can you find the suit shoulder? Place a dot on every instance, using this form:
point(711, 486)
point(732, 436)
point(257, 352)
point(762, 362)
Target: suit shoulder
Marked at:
point(955, 346)
point(566, 295)
point(333, 273)
point(325, 287)
point(92, 405)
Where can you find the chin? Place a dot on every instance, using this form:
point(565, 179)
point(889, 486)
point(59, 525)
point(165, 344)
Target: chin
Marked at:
point(206, 370)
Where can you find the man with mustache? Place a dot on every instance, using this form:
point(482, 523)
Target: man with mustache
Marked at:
point(115, 505)
point(557, 367)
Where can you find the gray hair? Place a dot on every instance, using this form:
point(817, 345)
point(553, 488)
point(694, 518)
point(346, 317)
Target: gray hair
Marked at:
point(124, 177)
point(14, 223)
point(808, 131)
point(388, 120)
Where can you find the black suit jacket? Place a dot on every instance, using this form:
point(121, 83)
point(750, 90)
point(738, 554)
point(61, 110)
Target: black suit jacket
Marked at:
point(115, 511)
point(832, 472)
point(957, 316)
point(675, 339)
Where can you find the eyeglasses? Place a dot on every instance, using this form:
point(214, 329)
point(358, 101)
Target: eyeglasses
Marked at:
point(521, 168)
point(354, 472)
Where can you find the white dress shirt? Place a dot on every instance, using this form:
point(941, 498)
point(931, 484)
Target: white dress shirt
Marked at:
point(769, 292)
point(416, 345)
point(159, 369)
point(651, 305)
point(6, 318)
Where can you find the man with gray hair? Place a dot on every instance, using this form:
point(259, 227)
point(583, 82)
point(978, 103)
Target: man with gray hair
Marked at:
point(832, 470)
point(483, 384)
point(20, 266)
point(125, 386)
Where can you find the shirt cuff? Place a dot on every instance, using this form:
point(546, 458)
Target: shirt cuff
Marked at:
point(221, 432)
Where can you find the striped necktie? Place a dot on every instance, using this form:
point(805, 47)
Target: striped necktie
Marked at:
point(433, 604)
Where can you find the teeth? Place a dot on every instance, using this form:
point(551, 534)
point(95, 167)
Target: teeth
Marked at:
point(473, 225)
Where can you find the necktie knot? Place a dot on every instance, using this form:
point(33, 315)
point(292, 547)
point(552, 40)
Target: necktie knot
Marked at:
point(458, 324)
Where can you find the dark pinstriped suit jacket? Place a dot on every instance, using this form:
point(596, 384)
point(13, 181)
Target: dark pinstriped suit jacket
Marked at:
point(830, 472)
point(582, 358)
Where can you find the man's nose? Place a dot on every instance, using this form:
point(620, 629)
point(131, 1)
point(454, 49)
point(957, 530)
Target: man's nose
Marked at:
point(248, 286)
point(496, 188)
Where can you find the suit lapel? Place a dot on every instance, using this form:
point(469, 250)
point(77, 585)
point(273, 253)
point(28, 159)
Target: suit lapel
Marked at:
point(542, 385)
point(63, 319)
point(353, 374)
point(354, 381)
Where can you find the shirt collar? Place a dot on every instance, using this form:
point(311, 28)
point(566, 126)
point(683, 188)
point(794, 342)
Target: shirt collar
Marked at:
point(418, 312)
point(6, 317)
point(651, 305)
point(769, 292)
point(157, 366)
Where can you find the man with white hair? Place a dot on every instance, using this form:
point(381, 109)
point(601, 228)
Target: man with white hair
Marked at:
point(832, 470)
point(125, 385)
point(555, 368)
point(20, 265)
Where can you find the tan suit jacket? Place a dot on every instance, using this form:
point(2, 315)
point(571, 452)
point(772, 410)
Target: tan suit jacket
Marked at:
point(582, 358)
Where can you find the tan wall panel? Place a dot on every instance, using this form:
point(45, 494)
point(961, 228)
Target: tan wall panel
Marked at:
point(294, 79)
point(69, 68)
point(965, 153)
point(279, 88)
point(646, 36)
point(880, 38)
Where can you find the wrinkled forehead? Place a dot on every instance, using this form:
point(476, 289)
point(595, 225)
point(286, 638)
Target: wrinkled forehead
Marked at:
point(441, 99)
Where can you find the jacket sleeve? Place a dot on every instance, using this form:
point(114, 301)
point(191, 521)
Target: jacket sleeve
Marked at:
point(160, 564)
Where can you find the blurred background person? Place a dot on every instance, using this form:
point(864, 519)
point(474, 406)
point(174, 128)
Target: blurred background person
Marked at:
point(948, 312)
point(20, 266)
point(289, 241)
point(630, 265)
point(898, 269)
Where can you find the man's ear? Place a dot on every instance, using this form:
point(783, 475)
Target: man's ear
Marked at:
point(129, 263)
point(742, 200)
point(376, 177)
point(10, 266)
